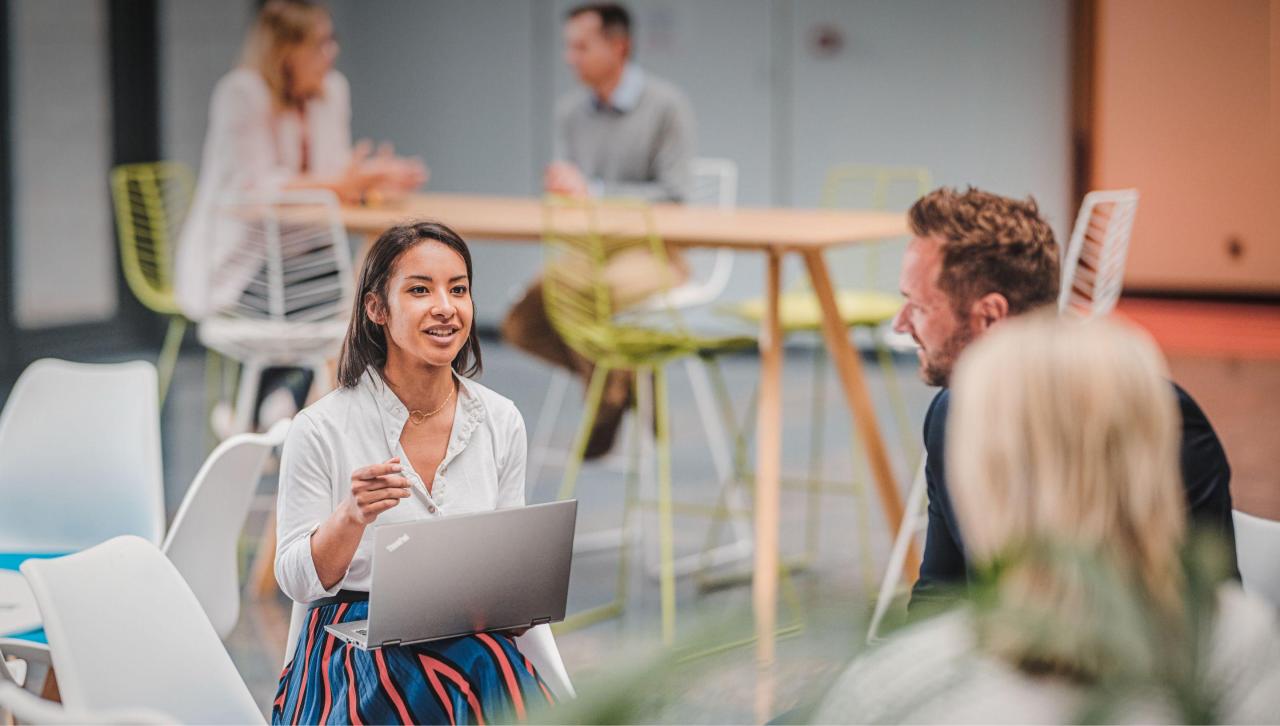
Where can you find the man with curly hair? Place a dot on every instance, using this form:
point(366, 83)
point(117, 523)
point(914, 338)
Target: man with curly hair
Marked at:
point(976, 258)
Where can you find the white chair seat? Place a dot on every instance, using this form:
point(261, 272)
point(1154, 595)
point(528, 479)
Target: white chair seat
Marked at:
point(126, 632)
point(272, 341)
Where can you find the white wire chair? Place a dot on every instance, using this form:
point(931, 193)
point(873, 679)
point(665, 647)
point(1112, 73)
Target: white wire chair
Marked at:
point(1094, 259)
point(292, 268)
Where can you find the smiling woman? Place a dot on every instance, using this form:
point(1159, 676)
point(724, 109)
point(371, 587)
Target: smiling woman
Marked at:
point(407, 436)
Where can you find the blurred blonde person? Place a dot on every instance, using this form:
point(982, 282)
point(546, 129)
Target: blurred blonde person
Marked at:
point(1063, 451)
point(281, 120)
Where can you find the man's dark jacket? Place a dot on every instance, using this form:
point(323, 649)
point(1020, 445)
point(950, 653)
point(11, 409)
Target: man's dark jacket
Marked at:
point(1205, 473)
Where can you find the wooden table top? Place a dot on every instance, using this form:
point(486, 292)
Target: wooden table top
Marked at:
point(520, 219)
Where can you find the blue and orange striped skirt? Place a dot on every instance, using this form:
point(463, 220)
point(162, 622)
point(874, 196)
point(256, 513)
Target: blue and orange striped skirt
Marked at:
point(476, 679)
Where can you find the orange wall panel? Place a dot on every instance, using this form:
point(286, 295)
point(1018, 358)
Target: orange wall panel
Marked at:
point(1184, 100)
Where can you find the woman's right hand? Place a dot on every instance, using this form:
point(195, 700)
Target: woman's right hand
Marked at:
point(374, 490)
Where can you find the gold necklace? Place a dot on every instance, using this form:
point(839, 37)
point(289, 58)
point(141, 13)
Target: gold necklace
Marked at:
point(416, 417)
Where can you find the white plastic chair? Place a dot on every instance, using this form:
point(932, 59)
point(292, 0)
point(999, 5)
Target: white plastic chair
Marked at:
point(126, 631)
point(26, 707)
point(202, 543)
point(1258, 555)
point(538, 645)
point(915, 520)
point(294, 265)
point(80, 457)
point(1093, 263)
point(715, 184)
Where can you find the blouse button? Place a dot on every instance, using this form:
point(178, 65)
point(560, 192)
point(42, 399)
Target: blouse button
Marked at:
point(431, 509)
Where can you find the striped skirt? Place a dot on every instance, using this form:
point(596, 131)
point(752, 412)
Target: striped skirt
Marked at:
point(475, 679)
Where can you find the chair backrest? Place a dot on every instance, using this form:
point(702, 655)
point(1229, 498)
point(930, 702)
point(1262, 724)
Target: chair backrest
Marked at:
point(1093, 262)
point(151, 202)
point(289, 260)
point(869, 186)
point(1258, 555)
point(202, 543)
point(80, 456)
point(297, 614)
point(715, 184)
point(580, 238)
point(126, 631)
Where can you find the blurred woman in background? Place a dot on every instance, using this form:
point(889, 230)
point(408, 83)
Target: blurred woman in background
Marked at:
point(280, 121)
point(1064, 453)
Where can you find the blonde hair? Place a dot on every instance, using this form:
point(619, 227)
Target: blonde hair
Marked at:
point(1067, 433)
point(282, 25)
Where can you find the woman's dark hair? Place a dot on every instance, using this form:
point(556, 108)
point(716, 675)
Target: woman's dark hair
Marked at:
point(366, 342)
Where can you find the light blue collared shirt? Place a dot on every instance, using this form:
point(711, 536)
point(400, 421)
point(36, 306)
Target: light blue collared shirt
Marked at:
point(627, 94)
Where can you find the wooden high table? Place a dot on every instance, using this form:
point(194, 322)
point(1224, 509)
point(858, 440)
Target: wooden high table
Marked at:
point(773, 232)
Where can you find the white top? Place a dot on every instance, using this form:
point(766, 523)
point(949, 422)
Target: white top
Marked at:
point(250, 147)
point(933, 672)
point(482, 470)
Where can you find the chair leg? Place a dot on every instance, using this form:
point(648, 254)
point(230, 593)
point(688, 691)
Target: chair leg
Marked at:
point(631, 499)
point(729, 500)
point(666, 531)
point(246, 395)
point(540, 442)
point(595, 392)
point(213, 384)
point(169, 354)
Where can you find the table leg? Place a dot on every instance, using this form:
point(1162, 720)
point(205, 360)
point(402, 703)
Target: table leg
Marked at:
point(764, 585)
point(858, 399)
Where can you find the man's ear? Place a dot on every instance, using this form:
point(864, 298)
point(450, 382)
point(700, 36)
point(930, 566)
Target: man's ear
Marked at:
point(374, 310)
point(988, 310)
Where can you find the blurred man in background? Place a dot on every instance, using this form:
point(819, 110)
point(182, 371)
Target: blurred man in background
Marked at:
point(624, 133)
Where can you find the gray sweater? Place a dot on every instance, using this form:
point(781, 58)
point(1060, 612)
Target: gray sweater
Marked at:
point(642, 151)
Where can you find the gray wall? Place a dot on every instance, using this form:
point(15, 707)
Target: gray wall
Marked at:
point(63, 255)
point(978, 91)
point(199, 42)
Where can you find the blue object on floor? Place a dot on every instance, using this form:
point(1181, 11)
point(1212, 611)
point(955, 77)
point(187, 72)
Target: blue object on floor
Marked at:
point(12, 561)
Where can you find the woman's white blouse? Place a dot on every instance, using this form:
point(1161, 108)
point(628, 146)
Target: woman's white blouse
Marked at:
point(482, 470)
point(251, 148)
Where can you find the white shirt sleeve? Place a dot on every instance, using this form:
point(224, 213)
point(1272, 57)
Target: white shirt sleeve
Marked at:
point(241, 131)
point(511, 465)
point(305, 501)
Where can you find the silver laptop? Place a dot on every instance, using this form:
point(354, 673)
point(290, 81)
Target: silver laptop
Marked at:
point(467, 573)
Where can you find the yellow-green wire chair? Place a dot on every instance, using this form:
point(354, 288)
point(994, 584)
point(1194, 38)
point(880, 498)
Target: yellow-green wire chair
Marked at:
point(151, 202)
point(871, 307)
point(580, 239)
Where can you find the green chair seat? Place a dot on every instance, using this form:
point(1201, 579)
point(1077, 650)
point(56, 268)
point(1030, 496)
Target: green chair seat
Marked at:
point(799, 310)
point(640, 345)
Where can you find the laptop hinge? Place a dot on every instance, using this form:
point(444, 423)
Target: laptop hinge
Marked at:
point(390, 643)
point(539, 621)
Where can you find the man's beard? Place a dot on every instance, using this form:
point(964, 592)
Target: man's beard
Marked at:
point(936, 369)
